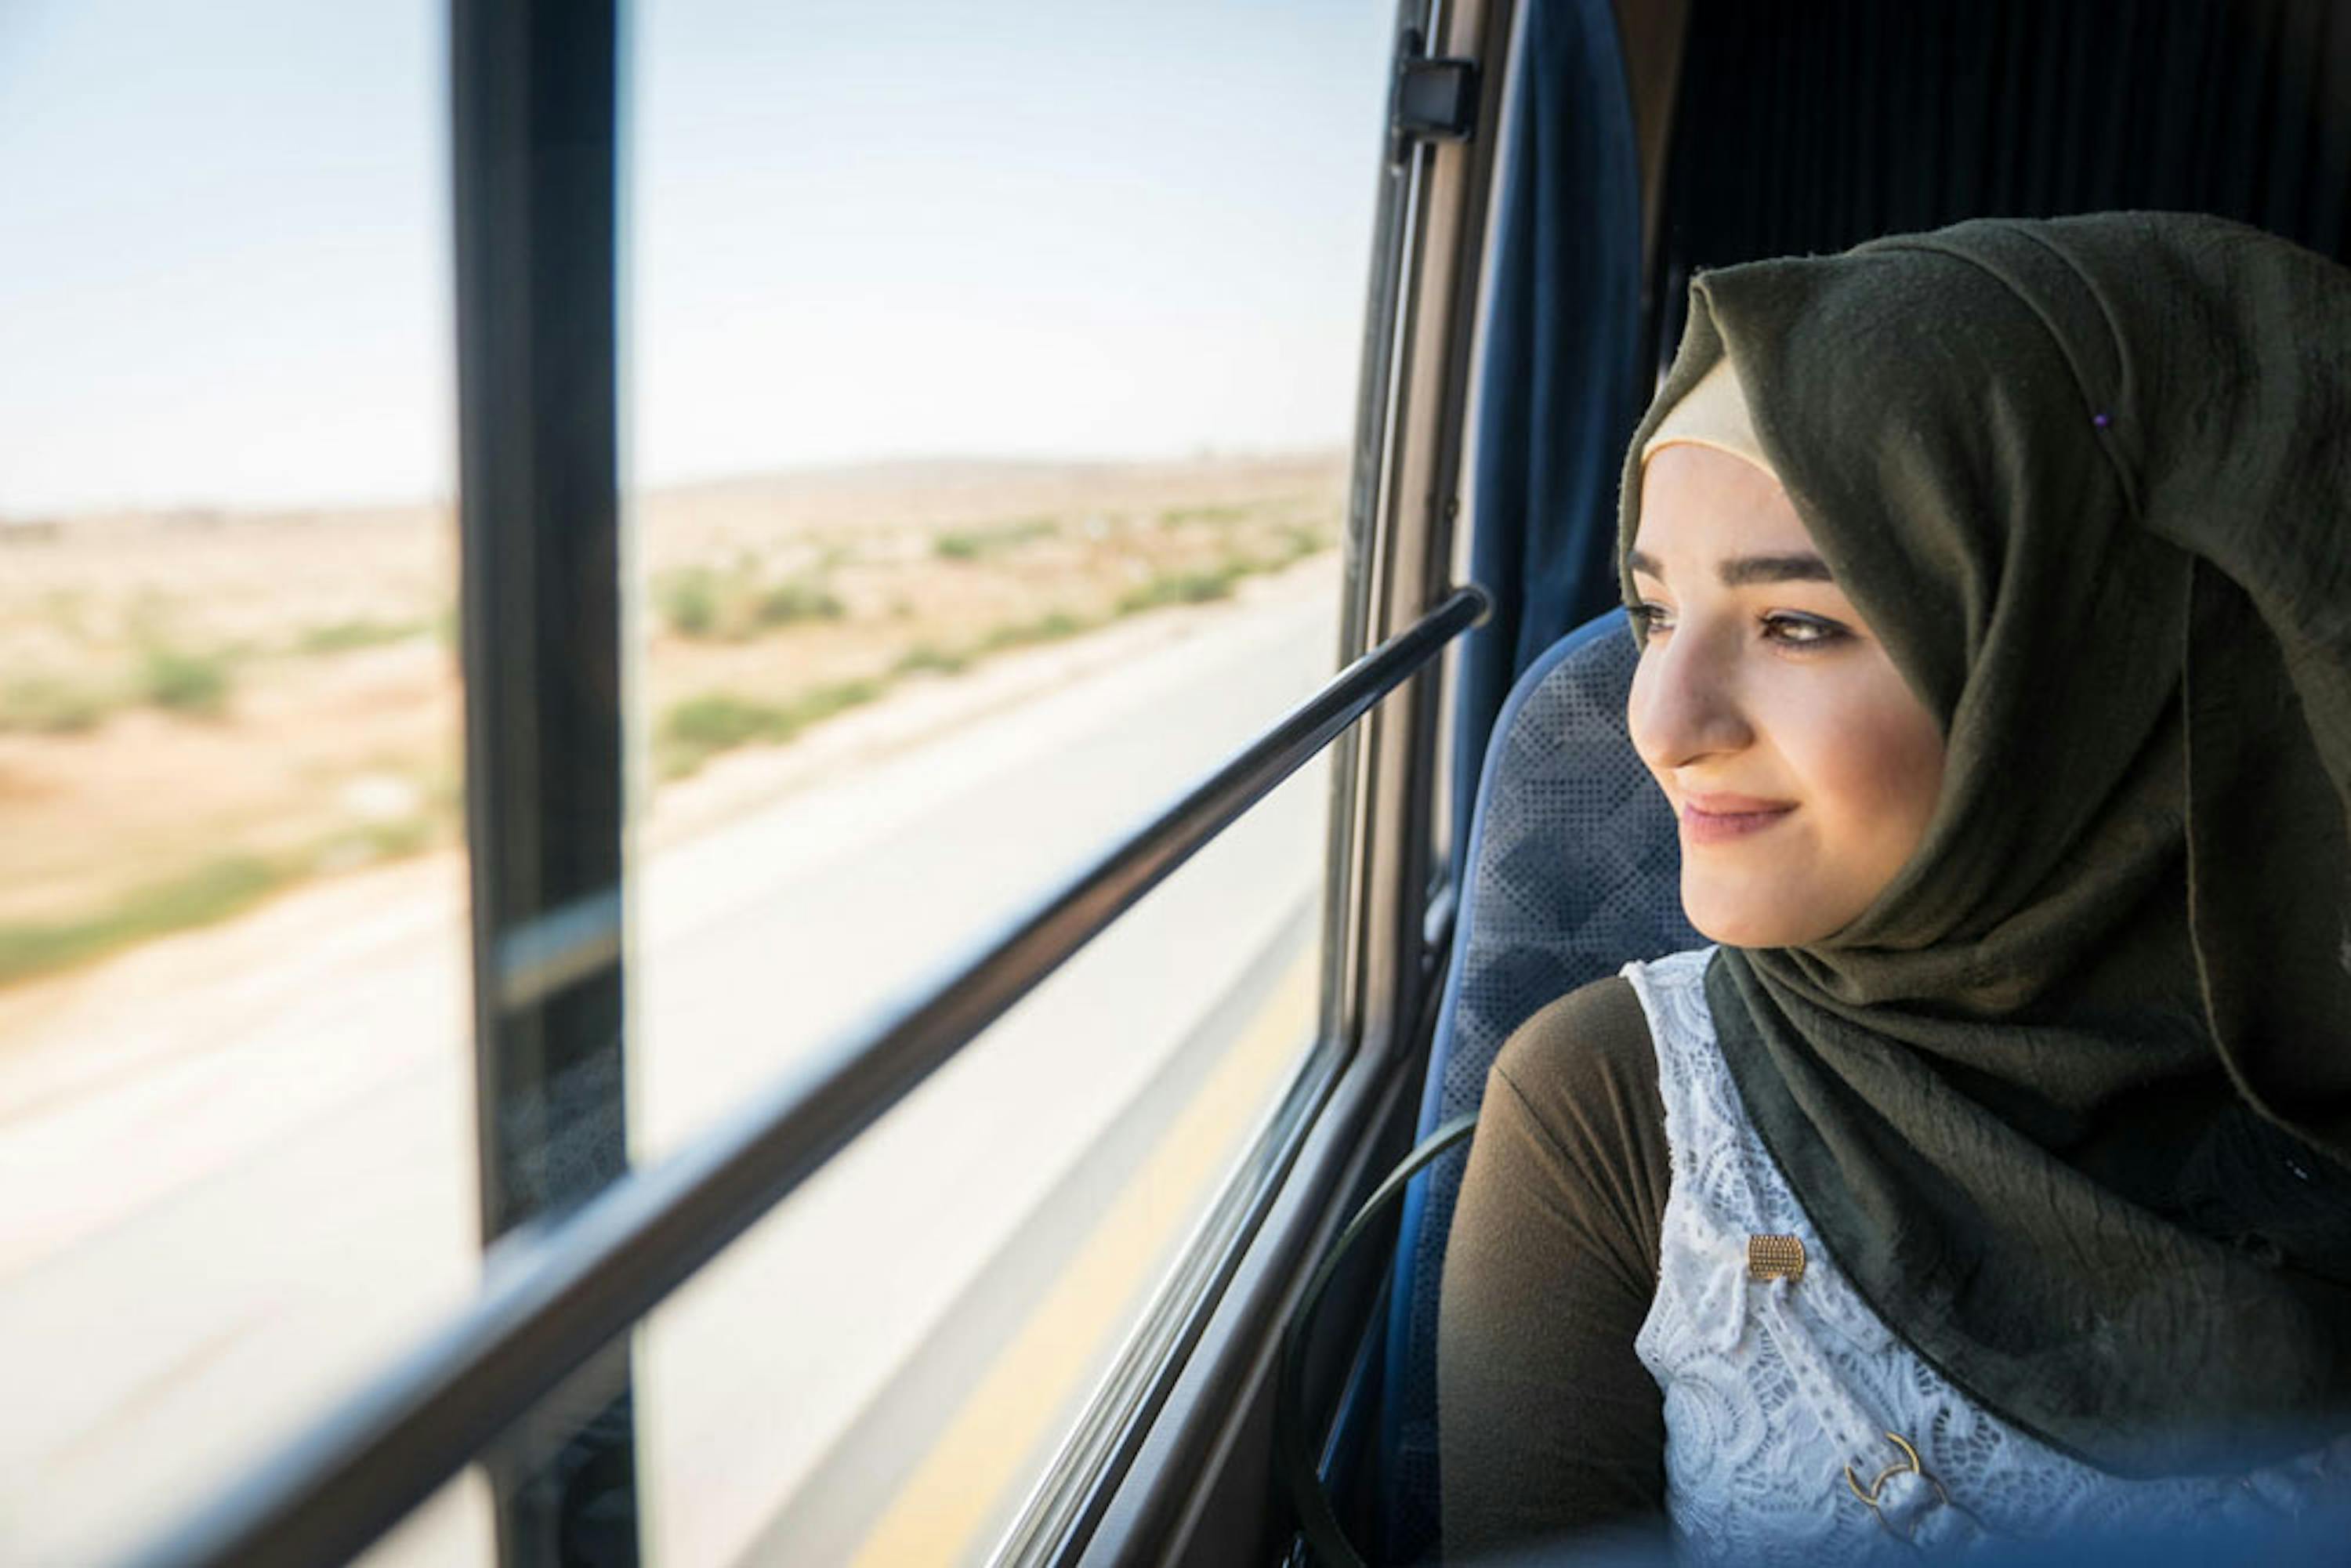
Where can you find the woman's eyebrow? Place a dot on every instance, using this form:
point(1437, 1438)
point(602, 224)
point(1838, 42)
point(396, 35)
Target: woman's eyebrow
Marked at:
point(1742, 571)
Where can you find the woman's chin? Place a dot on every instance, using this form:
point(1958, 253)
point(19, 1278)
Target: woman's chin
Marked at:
point(1746, 919)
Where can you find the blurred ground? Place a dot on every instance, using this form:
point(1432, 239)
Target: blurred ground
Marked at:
point(198, 710)
point(238, 1159)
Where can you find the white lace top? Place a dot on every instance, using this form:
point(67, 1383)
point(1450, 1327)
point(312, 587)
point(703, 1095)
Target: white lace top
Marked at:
point(1793, 1413)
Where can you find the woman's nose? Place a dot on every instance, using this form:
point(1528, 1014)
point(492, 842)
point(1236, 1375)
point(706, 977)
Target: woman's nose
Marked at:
point(1685, 701)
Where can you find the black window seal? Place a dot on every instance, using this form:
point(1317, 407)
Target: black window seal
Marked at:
point(535, 175)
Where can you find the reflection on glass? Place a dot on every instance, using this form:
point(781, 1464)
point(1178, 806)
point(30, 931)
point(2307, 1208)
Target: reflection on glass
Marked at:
point(990, 391)
point(236, 1139)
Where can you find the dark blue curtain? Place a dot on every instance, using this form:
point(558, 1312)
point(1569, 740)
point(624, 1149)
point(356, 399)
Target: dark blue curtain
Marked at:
point(1563, 386)
point(1811, 125)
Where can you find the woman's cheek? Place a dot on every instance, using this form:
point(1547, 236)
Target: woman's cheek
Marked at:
point(1881, 771)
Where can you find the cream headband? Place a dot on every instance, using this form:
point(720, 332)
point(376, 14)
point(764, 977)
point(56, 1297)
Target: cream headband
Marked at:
point(1711, 413)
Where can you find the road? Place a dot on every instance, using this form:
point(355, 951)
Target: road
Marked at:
point(237, 1166)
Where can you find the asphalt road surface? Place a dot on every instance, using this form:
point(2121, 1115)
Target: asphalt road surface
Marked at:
point(237, 1166)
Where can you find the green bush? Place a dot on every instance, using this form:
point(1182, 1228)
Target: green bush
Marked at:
point(211, 893)
point(341, 636)
point(971, 544)
point(1183, 588)
point(701, 601)
point(698, 728)
point(178, 681)
point(689, 600)
point(1177, 516)
point(45, 705)
point(719, 721)
point(1298, 541)
point(824, 702)
point(929, 658)
point(795, 600)
point(399, 839)
point(1054, 626)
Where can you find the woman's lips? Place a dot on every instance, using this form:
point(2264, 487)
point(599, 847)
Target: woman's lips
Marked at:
point(1718, 818)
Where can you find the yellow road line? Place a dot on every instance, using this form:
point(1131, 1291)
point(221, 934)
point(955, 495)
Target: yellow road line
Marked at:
point(957, 1489)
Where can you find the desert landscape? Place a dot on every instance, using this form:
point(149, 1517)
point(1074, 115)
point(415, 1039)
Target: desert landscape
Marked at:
point(199, 709)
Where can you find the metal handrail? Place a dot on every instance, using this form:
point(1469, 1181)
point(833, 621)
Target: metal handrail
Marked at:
point(552, 1300)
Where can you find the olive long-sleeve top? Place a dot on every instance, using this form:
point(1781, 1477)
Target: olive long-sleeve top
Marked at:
point(1549, 1425)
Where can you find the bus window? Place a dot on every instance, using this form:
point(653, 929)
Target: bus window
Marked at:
point(991, 375)
point(237, 1149)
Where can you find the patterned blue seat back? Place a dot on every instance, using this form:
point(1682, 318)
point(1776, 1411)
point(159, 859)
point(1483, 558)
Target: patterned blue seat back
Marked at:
point(1573, 868)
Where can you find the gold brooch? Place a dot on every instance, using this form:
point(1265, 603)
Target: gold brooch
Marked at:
point(1775, 1257)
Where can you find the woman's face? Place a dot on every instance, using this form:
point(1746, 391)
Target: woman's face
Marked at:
point(1802, 767)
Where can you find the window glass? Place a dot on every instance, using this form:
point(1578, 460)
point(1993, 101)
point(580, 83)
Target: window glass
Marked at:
point(235, 1122)
point(882, 1369)
point(991, 374)
point(452, 1528)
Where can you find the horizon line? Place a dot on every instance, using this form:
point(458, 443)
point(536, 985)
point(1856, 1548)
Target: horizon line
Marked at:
point(12, 515)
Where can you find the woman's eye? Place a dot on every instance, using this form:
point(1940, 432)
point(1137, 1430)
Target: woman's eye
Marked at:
point(1648, 620)
point(1801, 630)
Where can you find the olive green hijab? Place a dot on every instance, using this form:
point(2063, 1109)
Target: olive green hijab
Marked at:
point(2067, 1101)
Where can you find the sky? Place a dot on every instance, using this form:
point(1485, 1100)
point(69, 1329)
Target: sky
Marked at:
point(852, 230)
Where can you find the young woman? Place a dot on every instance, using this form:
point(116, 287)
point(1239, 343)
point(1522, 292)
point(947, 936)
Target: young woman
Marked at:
point(1988, 1177)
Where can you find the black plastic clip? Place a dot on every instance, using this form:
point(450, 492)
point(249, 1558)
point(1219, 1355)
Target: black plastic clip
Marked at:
point(1432, 100)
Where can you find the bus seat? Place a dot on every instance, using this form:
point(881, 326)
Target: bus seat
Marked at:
point(1572, 869)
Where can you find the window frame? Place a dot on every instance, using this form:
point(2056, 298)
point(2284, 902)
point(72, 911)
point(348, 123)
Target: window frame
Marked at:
point(534, 102)
point(1200, 1487)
